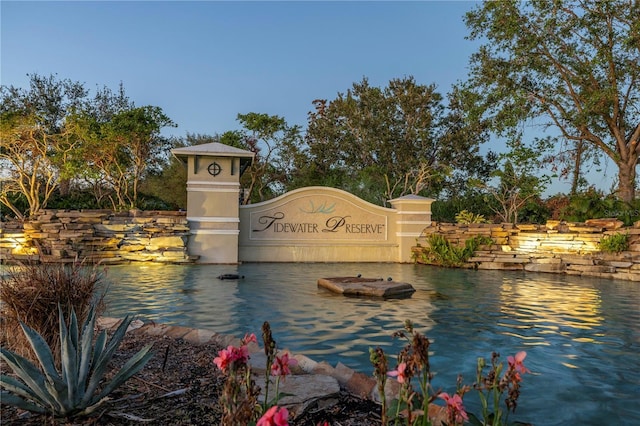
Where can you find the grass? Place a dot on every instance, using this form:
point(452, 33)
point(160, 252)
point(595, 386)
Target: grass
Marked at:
point(31, 293)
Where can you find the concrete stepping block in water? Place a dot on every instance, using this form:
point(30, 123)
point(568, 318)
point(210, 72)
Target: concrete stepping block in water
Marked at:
point(359, 286)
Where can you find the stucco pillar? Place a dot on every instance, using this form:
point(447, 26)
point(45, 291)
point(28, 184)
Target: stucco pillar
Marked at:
point(213, 199)
point(413, 214)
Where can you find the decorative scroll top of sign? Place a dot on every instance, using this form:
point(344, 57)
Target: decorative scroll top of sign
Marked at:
point(317, 217)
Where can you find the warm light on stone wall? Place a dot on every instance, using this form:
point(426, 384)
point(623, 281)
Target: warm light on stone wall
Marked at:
point(98, 236)
point(557, 247)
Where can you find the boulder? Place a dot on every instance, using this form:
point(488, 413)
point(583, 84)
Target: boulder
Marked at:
point(300, 391)
point(605, 223)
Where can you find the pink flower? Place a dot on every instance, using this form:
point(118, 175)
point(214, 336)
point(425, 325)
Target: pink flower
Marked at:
point(241, 354)
point(399, 374)
point(223, 359)
point(516, 378)
point(515, 363)
point(231, 355)
point(455, 409)
point(281, 365)
point(249, 338)
point(274, 416)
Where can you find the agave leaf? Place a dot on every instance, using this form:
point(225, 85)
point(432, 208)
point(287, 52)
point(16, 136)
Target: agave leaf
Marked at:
point(58, 399)
point(90, 409)
point(92, 376)
point(69, 355)
point(117, 337)
point(15, 386)
point(11, 399)
point(86, 340)
point(131, 367)
point(73, 327)
point(114, 342)
point(43, 353)
point(69, 366)
point(101, 365)
point(98, 348)
point(30, 375)
point(66, 393)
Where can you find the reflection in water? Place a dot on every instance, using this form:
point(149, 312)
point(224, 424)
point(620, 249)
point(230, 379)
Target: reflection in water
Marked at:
point(579, 303)
point(535, 310)
point(581, 335)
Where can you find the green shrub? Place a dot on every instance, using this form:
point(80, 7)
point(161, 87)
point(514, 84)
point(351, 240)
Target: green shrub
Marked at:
point(445, 210)
point(76, 200)
point(466, 217)
point(534, 211)
point(151, 202)
point(615, 243)
point(77, 388)
point(593, 204)
point(557, 205)
point(442, 252)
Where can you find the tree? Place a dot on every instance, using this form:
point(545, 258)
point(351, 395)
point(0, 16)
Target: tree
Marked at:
point(35, 144)
point(570, 160)
point(138, 132)
point(85, 124)
point(382, 143)
point(574, 64)
point(169, 182)
point(55, 137)
point(266, 136)
point(29, 166)
point(518, 182)
point(122, 148)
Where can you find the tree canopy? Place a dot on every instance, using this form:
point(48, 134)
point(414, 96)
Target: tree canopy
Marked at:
point(34, 142)
point(382, 143)
point(574, 64)
point(272, 140)
point(54, 136)
point(518, 182)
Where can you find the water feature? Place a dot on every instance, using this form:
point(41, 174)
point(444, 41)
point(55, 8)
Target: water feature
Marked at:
point(582, 335)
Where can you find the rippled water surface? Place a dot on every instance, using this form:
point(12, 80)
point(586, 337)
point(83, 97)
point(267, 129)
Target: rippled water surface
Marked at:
point(582, 336)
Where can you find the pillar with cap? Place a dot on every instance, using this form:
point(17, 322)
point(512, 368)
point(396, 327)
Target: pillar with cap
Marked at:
point(213, 199)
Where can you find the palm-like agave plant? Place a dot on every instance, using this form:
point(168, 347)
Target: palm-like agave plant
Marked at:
point(74, 390)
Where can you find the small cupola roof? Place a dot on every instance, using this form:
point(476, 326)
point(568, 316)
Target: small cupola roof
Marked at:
point(213, 149)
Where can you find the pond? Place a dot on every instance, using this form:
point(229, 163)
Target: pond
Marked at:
point(581, 335)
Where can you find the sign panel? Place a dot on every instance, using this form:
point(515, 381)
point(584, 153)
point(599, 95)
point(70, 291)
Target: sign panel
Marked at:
point(317, 217)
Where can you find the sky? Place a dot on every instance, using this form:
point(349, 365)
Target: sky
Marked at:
point(205, 62)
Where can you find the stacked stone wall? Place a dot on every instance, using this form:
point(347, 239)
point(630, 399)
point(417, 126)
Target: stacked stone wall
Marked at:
point(556, 247)
point(133, 236)
point(97, 236)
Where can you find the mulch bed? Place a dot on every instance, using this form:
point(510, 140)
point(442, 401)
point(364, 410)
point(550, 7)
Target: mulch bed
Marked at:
point(180, 385)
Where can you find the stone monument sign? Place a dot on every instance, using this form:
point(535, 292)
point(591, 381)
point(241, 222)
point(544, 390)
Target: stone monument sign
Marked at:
point(313, 224)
